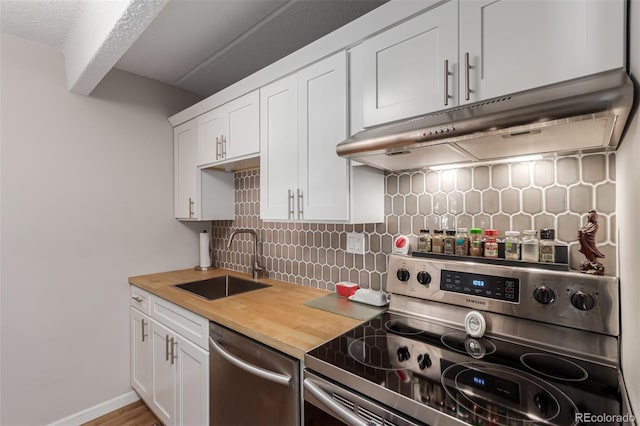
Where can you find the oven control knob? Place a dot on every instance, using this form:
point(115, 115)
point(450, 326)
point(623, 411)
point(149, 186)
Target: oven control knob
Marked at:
point(424, 361)
point(474, 324)
point(424, 277)
point(544, 295)
point(403, 274)
point(403, 354)
point(583, 301)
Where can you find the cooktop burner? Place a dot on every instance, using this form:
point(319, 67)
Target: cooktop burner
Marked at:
point(554, 367)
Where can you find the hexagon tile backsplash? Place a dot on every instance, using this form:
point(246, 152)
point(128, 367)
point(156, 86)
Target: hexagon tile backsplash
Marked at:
point(555, 193)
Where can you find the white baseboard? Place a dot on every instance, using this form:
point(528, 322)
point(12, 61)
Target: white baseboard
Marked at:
point(97, 410)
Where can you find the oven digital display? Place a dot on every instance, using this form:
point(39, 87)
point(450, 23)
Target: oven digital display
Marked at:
point(488, 383)
point(493, 287)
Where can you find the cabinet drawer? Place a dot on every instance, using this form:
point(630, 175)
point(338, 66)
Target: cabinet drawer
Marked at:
point(140, 300)
point(191, 326)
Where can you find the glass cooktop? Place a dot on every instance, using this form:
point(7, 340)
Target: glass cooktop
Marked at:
point(479, 381)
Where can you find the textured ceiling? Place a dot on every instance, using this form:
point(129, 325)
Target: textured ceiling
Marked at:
point(199, 45)
point(43, 22)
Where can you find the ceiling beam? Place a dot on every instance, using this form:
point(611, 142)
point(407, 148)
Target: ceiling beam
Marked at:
point(103, 32)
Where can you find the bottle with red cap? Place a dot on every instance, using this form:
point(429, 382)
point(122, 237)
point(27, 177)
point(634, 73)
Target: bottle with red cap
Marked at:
point(491, 243)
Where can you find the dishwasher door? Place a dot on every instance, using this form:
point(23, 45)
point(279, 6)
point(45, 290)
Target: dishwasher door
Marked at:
point(250, 383)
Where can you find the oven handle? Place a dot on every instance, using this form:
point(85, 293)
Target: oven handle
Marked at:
point(280, 379)
point(344, 414)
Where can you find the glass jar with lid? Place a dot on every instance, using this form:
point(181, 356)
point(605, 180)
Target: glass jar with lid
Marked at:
point(475, 242)
point(424, 241)
point(491, 243)
point(548, 245)
point(449, 242)
point(530, 251)
point(462, 242)
point(512, 245)
point(437, 241)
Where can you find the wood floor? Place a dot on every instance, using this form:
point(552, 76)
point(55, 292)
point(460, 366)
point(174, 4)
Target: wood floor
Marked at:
point(134, 414)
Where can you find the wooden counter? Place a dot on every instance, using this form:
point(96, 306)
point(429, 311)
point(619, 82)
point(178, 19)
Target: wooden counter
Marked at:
point(275, 315)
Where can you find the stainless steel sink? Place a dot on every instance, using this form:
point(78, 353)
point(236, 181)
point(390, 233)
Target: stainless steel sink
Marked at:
point(219, 287)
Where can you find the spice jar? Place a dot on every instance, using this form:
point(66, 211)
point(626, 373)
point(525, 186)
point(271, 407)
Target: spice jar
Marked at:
point(491, 243)
point(475, 242)
point(437, 241)
point(512, 245)
point(424, 241)
point(548, 245)
point(450, 242)
point(462, 242)
point(530, 244)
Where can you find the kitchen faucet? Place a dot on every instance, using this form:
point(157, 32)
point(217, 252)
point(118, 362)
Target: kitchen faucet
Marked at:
point(257, 268)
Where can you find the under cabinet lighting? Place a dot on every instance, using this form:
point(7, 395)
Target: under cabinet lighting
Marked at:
point(520, 159)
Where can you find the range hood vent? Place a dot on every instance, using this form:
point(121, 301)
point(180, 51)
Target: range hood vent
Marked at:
point(588, 113)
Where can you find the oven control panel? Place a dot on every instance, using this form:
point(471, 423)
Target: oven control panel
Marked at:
point(571, 299)
point(492, 287)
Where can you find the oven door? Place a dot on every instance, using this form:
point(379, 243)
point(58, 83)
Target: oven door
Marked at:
point(327, 403)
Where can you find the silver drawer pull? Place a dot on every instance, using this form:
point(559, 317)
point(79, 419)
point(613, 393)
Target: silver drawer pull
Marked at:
point(467, 65)
point(166, 347)
point(137, 299)
point(173, 345)
point(281, 379)
point(446, 82)
point(143, 333)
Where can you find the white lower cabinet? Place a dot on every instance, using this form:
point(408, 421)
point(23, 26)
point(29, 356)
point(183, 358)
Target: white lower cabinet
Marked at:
point(169, 372)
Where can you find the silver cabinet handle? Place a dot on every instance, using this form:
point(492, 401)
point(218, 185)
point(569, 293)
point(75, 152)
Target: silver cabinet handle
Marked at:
point(467, 65)
point(137, 299)
point(290, 205)
point(143, 333)
point(280, 379)
point(173, 345)
point(343, 413)
point(300, 203)
point(217, 149)
point(166, 347)
point(190, 207)
point(446, 82)
point(223, 142)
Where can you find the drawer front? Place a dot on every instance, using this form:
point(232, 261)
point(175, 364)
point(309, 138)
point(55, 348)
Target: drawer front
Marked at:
point(191, 326)
point(140, 300)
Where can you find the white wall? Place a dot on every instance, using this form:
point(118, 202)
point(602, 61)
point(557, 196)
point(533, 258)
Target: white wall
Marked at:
point(86, 201)
point(628, 206)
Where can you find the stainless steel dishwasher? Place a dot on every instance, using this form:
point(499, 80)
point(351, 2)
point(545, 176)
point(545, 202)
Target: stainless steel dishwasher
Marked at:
point(250, 383)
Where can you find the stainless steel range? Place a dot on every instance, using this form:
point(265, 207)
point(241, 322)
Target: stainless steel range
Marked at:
point(472, 343)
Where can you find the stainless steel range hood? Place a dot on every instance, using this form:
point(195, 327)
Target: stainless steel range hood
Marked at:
point(581, 114)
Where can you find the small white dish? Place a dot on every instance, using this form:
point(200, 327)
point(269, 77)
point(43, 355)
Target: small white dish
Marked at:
point(370, 297)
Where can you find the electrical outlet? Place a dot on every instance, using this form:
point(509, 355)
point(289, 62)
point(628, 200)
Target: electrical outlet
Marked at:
point(355, 242)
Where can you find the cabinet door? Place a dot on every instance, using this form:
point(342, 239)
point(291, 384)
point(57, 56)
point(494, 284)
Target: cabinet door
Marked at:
point(210, 135)
point(323, 178)
point(164, 374)
point(242, 136)
point(185, 171)
point(515, 45)
point(404, 67)
point(192, 365)
point(141, 354)
point(278, 148)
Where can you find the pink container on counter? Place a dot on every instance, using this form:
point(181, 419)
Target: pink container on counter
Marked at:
point(346, 289)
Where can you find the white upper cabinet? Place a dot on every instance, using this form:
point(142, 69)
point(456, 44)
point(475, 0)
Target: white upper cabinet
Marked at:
point(303, 118)
point(323, 177)
point(185, 171)
point(514, 45)
point(404, 67)
point(200, 194)
point(230, 132)
point(278, 148)
point(466, 51)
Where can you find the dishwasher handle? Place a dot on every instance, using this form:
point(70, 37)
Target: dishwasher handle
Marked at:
point(280, 379)
point(345, 415)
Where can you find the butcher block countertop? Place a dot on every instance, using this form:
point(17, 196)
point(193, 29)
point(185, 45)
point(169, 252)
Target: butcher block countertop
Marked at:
point(275, 315)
